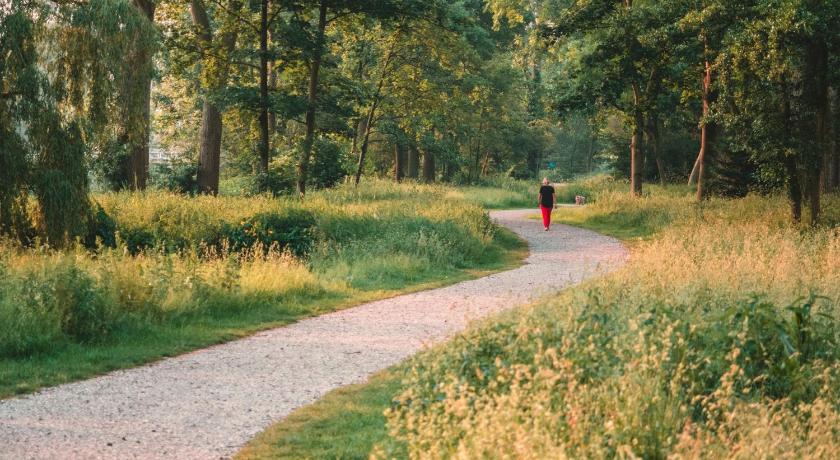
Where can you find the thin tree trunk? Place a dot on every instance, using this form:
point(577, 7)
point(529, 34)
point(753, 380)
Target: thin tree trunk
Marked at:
point(365, 143)
point(834, 125)
point(209, 151)
point(816, 93)
point(793, 185)
point(637, 160)
point(360, 128)
point(272, 86)
point(139, 147)
point(312, 100)
point(485, 164)
point(210, 142)
point(794, 188)
point(399, 161)
point(654, 143)
point(428, 166)
point(692, 177)
point(374, 104)
point(707, 131)
point(413, 161)
point(264, 147)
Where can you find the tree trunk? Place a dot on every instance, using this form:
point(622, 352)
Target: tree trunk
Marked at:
point(377, 96)
point(210, 143)
point(399, 161)
point(413, 161)
point(428, 166)
point(834, 155)
point(139, 147)
point(264, 147)
point(652, 131)
point(692, 177)
point(485, 164)
point(637, 160)
point(707, 132)
point(209, 149)
point(793, 185)
point(365, 144)
point(272, 86)
point(816, 94)
point(794, 188)
point(312, 100)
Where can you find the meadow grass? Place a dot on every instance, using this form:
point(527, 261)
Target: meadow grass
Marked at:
point(347, 423)
point(718, 339)
point(174, 282)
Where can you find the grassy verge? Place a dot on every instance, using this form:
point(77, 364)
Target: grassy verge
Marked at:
point(67, 315)
point(345, 424)
point(718, 338)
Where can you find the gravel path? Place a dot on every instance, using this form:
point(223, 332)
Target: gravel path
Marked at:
point(206, 404)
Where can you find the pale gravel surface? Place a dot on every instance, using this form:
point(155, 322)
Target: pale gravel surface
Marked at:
point(207, 404)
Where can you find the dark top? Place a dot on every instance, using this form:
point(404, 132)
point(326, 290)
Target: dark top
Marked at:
point(546, 196)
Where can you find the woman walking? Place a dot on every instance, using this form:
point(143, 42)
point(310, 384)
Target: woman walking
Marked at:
point(547, 201)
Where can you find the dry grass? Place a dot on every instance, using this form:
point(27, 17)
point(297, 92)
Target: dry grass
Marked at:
point(718, 339)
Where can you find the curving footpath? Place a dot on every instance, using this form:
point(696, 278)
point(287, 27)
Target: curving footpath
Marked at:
point(208, 403)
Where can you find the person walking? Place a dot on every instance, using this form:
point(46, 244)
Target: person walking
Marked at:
point(547, 200)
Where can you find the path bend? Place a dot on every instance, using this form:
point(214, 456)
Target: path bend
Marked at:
point(208, 403)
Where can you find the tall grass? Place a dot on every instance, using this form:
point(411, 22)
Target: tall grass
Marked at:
point(719, 338)
point(173, 268)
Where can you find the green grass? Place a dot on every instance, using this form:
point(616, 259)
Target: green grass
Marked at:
point(70, 315)
point(718, 339)
point(345, 424)
point(686, 351)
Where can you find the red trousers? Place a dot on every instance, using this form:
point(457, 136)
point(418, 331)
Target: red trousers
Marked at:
point(546, 214)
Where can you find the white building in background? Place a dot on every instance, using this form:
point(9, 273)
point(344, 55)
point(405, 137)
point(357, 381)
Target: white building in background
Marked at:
point(157, 154)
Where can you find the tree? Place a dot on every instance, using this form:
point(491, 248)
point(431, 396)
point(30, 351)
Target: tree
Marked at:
point(57, 106)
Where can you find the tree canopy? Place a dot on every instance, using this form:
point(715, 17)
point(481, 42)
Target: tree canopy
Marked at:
point(284, 96)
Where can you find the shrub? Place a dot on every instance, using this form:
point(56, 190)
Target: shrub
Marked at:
point(101, 229)
point(292, 230)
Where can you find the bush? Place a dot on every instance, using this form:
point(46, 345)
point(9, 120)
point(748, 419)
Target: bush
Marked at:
point(84, 312)
point(179, 176)
point(292, 230)
point(101, 229)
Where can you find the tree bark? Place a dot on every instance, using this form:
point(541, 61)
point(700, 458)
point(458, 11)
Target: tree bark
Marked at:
point(264, 147)
point(413, 161)
point(399, 160)
point(652, 132)
point(816, 95)
point(428, 167)
point(377, 96)
point(485, 164)
point(707, 131)
point(139, 148)
point(794, 187)
point(210, 143)
point(833, 174)
point(637, 160)
point(312, 100)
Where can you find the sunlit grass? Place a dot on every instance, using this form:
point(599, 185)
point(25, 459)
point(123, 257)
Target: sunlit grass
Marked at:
point(718, 339)
point(71, 314)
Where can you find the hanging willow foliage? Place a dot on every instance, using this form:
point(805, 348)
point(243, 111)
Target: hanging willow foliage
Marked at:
point(64, 70)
